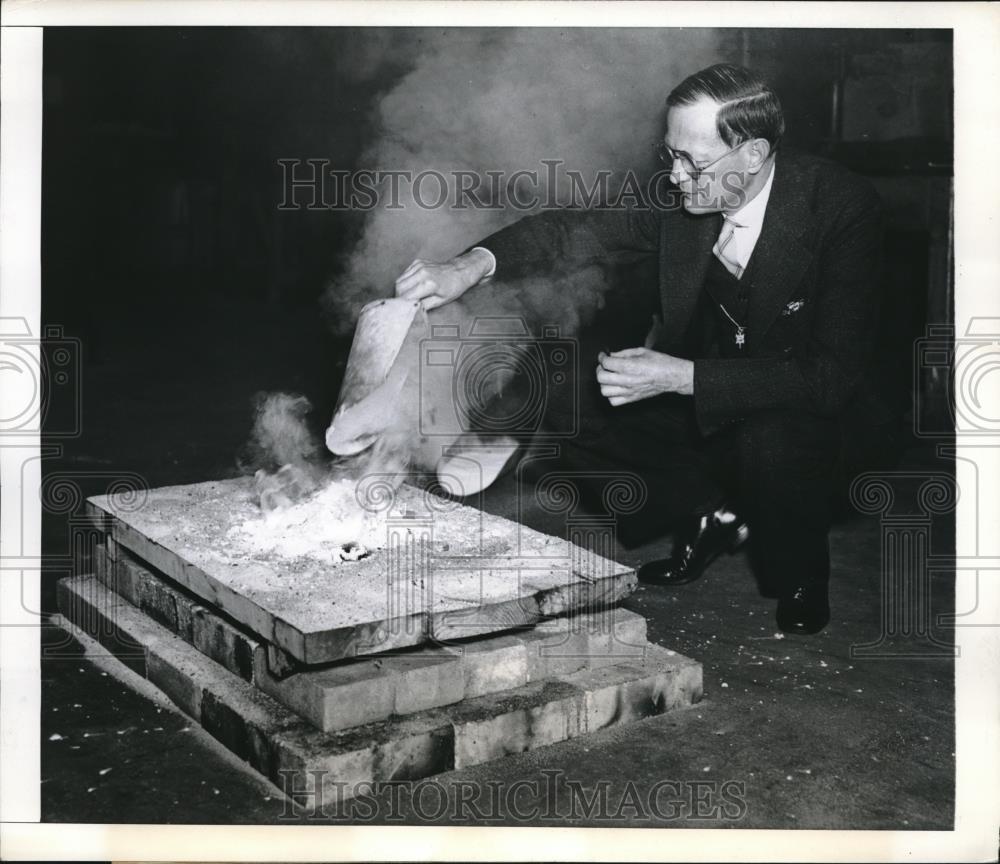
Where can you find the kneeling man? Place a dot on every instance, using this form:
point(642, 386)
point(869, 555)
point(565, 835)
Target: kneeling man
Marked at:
point(769, 275)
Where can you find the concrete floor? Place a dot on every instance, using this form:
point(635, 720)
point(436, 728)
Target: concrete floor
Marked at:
point(793, 732)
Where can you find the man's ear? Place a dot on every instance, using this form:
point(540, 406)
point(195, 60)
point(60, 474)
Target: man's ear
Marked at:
point(758, 149)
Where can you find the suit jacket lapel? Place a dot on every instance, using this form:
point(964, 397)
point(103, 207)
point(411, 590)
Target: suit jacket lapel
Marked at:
point(687, 252)
point(779, 259)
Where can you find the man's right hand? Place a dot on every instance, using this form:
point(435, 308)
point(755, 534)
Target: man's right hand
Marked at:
point(437, 284)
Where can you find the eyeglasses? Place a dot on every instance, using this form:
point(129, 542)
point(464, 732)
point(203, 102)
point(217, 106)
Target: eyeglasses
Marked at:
point(669, 156)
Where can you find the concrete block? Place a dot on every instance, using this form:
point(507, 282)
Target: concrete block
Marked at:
point(627, 692)
point(512, 722)
point(311, 774)
point(322, 611)
point(177, 682)
point(491, 665)
point(246, 736)
point(102, 615)
point(101, 563)
point(122, 580)
point(556, 647)
point(210, 633)
point(150, 595)
point(220, 641)
point(685, 686)
point(98, 517)
point(564, 645)
point(424, 679)
point(335, 698)
point(315, 767)
point(427, 752)
point(618, 636)
point(186, 609)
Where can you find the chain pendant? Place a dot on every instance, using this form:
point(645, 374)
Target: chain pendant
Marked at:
point(740, 336)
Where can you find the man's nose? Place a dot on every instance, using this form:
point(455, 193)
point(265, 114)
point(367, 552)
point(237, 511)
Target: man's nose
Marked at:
point(678, 172)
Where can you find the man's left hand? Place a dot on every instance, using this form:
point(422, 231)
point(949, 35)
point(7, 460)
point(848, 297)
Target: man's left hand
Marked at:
point(638, 373)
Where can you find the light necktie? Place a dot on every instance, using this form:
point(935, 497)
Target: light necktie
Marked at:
point(725, 248)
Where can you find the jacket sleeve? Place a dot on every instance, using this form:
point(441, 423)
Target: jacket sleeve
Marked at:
point(565, 239)
point(823, 375)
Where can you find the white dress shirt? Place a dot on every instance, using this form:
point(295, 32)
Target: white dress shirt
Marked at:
point(747, 223)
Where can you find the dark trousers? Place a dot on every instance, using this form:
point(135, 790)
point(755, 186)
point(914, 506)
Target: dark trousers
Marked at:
point(774, 467)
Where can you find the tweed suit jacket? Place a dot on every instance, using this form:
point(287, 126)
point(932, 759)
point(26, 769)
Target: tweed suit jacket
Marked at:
point(814, 292)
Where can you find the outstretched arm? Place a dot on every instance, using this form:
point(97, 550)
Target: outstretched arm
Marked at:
point(557, 238)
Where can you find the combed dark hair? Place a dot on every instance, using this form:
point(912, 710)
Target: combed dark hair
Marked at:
point(748, 107)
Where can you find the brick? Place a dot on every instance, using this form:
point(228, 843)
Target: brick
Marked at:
point(315, 766)
point(245, 735)
point(561, 646)
point(186, 609)
point(183, 615)
point(151, 595)
point(490, 665)
point(177, 682)
point(556, 647)
point(335, 698)
point(102, 615)
point(685, 686)
point(627, 692)
point(506, 723)
point(424, 679)
point(123, 581)
point(411, 757)
point(219, 640)
point(311, 776)
point(319, 768)
point(101, 563)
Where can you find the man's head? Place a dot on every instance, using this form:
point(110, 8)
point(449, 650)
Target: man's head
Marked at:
point(726, 122)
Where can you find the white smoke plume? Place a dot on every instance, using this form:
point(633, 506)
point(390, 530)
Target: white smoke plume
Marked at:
point(503, 100)
point(499, 100)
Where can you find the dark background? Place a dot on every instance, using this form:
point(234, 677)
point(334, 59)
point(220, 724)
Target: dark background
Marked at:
point(184, 290)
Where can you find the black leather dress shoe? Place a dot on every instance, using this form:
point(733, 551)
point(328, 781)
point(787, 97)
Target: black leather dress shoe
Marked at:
point(806, 610)
point(704, 540)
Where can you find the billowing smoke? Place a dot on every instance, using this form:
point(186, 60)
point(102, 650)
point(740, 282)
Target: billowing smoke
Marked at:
point(495, 101)
point(284, 451)
point(281, 434)
point(504, 100)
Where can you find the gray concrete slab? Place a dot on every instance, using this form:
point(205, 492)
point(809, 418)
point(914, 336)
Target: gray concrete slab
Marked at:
point(445, 571)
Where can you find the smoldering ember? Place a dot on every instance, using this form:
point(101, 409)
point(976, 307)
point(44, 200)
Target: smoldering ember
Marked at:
point(567, 443)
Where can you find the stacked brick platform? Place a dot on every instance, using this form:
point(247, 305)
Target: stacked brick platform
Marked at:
point(394, 715)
